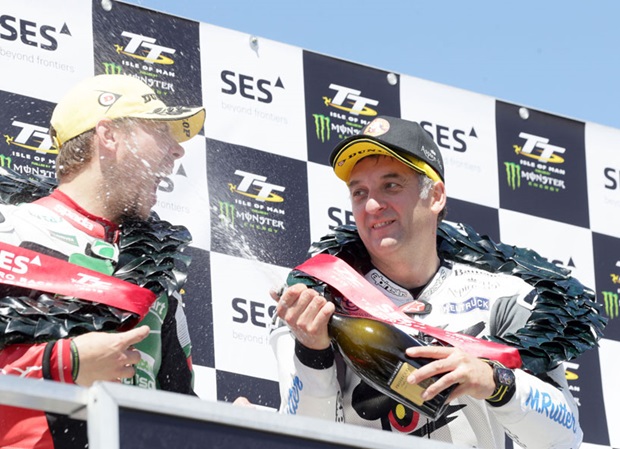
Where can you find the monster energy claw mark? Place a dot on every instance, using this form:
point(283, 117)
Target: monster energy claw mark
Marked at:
point(610, 299)
point(112, 69)
point(322, 125)
point(5, 161)
point(227, 213)
point(513, 175)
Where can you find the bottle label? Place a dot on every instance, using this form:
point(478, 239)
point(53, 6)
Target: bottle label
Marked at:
point(399, 384)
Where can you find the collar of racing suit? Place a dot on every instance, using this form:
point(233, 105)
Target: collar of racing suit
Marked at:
point(71, 211)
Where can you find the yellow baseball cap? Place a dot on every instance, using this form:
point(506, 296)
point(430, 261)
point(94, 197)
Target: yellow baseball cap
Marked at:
point(118, 96)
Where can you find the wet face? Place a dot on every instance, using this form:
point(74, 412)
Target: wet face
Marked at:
point(391, 218)
point(146, 155)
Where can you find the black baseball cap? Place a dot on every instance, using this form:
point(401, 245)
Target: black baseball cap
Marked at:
point(401, 139)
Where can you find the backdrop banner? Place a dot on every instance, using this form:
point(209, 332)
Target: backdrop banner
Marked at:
point(255, 187)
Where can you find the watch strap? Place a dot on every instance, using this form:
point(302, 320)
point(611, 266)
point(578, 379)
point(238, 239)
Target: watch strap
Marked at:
point(505, 387)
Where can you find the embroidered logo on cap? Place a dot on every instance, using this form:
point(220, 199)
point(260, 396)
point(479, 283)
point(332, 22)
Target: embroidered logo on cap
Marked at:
point(377, 127)
point(430, 154)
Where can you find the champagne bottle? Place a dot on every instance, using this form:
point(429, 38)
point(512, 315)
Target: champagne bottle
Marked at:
point(375, 351)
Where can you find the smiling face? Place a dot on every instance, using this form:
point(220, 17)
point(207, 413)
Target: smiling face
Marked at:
point(394, 223)
point(146, 154)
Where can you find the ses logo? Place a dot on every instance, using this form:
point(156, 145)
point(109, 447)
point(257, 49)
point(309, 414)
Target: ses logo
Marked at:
point(610, 298)
point(255, 204)
point(450, 139)
point(612, 176)
point(339, 217)
point(31, 33)
point(538, 166)
point(10, 262)
point(167, 183)
point(254, 312)
point(347, 113)
point(248, 87)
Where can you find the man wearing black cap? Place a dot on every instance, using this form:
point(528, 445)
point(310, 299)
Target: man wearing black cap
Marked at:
point(395, 175)
point(84, 246)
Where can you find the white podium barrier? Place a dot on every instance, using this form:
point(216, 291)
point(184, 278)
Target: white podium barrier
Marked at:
point(121, 417)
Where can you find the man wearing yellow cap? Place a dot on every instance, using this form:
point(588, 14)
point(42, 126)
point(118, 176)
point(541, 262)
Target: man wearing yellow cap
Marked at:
point(395, 175)
point(97, 258)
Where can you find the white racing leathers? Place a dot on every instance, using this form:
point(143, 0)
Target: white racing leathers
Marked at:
point(460, 298)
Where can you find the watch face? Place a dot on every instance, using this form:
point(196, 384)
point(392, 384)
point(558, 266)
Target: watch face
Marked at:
point(505, 376)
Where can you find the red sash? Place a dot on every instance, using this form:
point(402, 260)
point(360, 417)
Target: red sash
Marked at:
point(30, 269)
point(372, 303)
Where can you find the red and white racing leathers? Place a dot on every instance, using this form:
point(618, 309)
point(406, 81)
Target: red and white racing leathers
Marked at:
point(68, 232)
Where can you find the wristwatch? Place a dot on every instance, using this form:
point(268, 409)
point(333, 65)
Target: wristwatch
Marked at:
point(504, 384)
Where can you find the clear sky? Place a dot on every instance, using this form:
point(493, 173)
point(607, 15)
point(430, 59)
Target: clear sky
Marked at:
point(558, 56)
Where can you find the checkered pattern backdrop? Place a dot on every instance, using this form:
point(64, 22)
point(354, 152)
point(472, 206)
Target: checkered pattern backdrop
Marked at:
point(255, 188)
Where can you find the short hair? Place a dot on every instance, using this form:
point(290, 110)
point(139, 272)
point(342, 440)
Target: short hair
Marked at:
point(426, 184)
point(74, 155)
point(78, 152)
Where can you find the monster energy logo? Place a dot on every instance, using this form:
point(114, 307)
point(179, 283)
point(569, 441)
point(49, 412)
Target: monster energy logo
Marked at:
point(112, 69)
point(610, 299)
point(5, 161)
point(227, 213)
point(513, 174)
point(322, 124)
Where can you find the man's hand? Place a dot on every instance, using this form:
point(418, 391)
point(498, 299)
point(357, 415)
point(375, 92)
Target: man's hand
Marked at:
point(108, 357)
point(473, 376)
point(307, 314)
point(242, 401)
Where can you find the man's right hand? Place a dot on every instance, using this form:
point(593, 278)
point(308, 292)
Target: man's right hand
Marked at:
point(307, 314)
point(108, 357)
